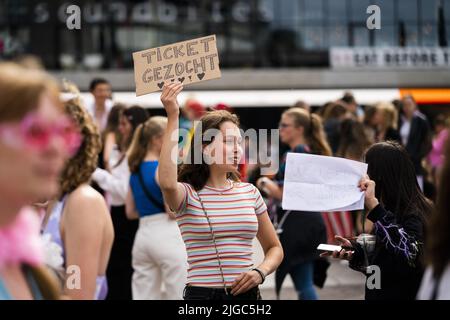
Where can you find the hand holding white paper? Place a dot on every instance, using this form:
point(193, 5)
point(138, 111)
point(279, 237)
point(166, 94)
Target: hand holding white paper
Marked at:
point(320, 183)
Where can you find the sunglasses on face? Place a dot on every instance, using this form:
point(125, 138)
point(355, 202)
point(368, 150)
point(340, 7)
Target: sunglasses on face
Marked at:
point(35, 133)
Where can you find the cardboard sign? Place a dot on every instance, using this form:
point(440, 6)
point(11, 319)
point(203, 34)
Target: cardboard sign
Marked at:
point(187, 62)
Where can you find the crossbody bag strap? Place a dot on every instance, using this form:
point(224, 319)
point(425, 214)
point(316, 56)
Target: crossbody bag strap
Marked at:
point(215, 244)
point(155, 202)
point(279, 225)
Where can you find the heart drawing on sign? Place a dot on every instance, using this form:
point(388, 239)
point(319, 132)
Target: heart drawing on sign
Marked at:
point(161, 84)
point(172, 80)
point(190, 78)
point(200, 75)
point(181, 79)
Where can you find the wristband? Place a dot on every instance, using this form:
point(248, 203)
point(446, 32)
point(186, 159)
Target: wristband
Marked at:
point(263, 277)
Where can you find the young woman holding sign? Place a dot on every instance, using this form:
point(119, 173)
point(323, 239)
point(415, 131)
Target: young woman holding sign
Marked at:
point(218, 215)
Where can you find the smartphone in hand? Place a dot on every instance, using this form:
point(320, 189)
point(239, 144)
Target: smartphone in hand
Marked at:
point(332, 248)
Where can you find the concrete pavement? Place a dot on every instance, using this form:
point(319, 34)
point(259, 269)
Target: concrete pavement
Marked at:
point(342, 282)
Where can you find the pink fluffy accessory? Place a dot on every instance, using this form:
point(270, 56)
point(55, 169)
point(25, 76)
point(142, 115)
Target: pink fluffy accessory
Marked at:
point(20, 242)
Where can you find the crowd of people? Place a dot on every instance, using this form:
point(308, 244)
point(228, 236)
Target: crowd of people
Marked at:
point(94, 203)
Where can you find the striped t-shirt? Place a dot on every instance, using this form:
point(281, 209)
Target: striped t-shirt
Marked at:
point(232, 213)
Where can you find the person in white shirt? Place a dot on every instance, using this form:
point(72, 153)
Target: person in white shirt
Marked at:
point(115, 183)
point(101, 104)
point(416, 136)
point(436, 280)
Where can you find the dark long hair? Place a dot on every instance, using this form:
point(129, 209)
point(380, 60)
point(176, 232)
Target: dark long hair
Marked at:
point(438, 253)
point(136, 115)
point(396, 186)
point(112, 124)
point(197, 174)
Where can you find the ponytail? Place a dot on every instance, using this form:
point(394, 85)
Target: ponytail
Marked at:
point(142, 140)
point(316, 137)
point(136, 152)
point(313, 130)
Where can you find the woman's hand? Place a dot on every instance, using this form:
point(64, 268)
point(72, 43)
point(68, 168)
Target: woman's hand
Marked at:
point(245, 282)
point(344, 254)
point(368, 186)
point(169, 98)
point(260, 183)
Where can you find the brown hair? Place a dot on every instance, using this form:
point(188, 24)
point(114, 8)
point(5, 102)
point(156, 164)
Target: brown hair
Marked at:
point(438, 253)
point(369, 114)
point(313, 130)
point(80, 167)
point(21, 89)
point(353, 141)
point(197, 174)
point(47, 282)
point(112, 123)
point(334, 110)
point(142, 140)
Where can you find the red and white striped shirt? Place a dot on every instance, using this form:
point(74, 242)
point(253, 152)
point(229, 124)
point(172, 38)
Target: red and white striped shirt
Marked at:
point(233, 215)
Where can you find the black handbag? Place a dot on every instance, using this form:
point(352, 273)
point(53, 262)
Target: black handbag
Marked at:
point(321, 266)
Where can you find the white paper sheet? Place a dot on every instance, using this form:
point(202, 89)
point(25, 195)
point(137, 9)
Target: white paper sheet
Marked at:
point(319, 183)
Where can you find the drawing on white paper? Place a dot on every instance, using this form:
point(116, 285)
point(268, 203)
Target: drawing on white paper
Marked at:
point(319, 183)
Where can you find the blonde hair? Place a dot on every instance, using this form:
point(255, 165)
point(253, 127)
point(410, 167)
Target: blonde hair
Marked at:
point(21, 89)
point(142, 140)
point(390, 114)
point(79, 168)
point(313, 130)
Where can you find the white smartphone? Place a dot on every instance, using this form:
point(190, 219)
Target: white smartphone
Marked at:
point(329, 247)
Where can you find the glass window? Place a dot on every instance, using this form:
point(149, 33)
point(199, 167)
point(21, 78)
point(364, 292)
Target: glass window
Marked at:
point(3, 15)
point(337, 36)
point(429, 34)
point(387, 36)
point(411, 35)
point(361, 37)
point(428, 10)
point(358, 9)
point(386, 10)
point(312, 11)
point(242, 45)
point(312, 37)
point(447, 10)
point(448, 33)
point(337, 11)
point(290, 10)
point(407, 10)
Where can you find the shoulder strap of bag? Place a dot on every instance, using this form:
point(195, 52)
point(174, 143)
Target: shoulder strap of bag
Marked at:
point(148, 194)
point(215, 244)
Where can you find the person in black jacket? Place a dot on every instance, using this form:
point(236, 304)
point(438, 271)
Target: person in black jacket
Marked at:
point(399, 210)
point(415, 133)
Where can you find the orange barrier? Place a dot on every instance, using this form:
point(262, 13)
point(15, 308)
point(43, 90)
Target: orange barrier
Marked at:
point(428, 96)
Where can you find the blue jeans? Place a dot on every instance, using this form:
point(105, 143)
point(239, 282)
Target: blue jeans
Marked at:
point(302, 276)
